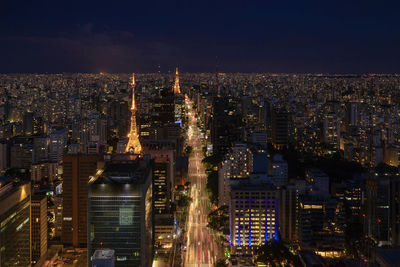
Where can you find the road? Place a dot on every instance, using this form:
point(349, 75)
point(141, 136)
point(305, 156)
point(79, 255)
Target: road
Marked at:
point(202, 247)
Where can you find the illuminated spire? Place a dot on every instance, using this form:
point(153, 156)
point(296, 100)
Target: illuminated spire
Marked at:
point(133, 146)
point(133, 92)
point(177, 88)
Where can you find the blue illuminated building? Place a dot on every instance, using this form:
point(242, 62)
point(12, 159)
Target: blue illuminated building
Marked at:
point(253, 214)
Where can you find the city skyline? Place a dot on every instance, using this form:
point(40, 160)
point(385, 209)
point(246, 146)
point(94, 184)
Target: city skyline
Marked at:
point(199, 134)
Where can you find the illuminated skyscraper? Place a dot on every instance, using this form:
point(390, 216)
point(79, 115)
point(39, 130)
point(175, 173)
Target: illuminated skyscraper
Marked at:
point(253, 215)
point(134, 146)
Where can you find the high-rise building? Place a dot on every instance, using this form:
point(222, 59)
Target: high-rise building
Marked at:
point(288, 212)
point(44, 172)
point(381, 209)
point(224, 187)
point(58, 143)
point(321, 225)
point(238, 165)
point(331, 130)
point(279, 128)
point(40, 148)
point(351, 114)
point(76, 172)
point(38, 227)
point(242, 159)
point(253, 215)
point(352, 198)
point(15, 237)
point(120, 211)
point(163, 149)
point(161, 185)
point(27, 122)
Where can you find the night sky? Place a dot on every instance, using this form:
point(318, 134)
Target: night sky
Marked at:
point(246, 36)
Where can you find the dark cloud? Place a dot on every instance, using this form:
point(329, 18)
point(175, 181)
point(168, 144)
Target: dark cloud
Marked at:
point(247, 36)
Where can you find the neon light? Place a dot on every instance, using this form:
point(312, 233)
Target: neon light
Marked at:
point(250, 222)
point(239, 230)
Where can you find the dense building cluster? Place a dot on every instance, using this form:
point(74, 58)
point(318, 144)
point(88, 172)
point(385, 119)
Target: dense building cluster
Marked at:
point(96, 168)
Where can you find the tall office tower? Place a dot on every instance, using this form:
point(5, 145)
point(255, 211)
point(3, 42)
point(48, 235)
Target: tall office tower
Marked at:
point(161, 185)
point(224, 186)
point(279, 128)
point(321, 225)
point(119, 112)
point(381, 209)
point(279, 170)
point(238, 165)
point(176, 88)
point(38, 227)
point(44, 172)
point(351, 114)
point(133, 146)
point(58, 143)
point(352, 198)
point(163, 108)
point(253, 215)
point(76, 172)
point(331, 130)
point(288, 212)
point(225, 121)
point(27, 123)
point(242, 161)
point(38, 125)
point(163, 149)
point(120, 211)
point(15, 238)
point(40, 148)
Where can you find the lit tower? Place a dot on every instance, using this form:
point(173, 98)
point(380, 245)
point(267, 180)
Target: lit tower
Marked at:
point(177, 88)
point(133, 145)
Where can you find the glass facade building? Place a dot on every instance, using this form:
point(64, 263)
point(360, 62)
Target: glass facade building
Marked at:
point(119, 212)
point(14, 223)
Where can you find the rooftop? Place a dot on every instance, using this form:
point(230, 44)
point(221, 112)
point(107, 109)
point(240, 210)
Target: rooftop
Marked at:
point(103, 254)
